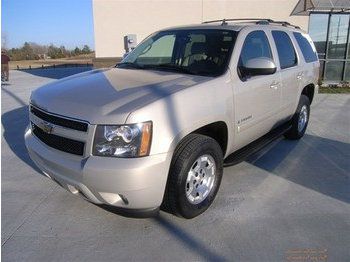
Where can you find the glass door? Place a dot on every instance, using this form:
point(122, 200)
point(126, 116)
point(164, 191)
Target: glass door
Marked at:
point(337, 46)
point(330, 33)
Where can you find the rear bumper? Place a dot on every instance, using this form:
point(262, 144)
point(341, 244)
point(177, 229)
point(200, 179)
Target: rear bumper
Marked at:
point(133, 184)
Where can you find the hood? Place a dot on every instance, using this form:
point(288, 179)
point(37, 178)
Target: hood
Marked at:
point(108, 96)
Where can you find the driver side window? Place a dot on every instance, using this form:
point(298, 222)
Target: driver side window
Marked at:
point(256, 45)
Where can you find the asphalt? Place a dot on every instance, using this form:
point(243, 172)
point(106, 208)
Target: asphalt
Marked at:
point(289, 202)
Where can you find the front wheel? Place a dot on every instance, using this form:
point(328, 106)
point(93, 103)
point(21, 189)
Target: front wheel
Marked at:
point(194, 177)
point(300, 119)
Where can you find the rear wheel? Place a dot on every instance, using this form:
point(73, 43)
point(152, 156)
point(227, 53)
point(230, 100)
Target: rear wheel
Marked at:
point(194, 177)
point(300, 119)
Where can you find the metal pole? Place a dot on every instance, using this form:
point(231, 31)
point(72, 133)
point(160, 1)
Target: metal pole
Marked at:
point(327, 45)
point(347, 52)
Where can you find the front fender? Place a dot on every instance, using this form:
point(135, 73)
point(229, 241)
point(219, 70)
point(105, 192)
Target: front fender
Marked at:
point(181, 113)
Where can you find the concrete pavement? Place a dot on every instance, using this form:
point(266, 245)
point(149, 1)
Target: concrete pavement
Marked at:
point(290, 199)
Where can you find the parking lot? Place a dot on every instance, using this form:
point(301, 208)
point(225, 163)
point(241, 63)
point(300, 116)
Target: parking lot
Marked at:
point(289, 201)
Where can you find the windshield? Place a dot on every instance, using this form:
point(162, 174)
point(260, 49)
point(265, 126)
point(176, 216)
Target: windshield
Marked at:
point(199, 52)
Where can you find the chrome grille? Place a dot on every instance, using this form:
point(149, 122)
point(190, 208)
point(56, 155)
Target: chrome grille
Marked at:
point(61, 133)
point(69, 123)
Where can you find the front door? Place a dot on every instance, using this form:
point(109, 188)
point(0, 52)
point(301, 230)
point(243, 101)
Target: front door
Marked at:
point(257, 99)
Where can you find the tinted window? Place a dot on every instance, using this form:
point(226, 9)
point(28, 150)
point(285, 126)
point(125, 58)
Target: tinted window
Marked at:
point(285, 49)
point(256, 45)
point(306, 48)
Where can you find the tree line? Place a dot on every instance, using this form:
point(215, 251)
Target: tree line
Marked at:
point(33, 51)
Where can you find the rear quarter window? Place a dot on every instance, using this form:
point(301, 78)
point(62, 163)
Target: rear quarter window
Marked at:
point(304, 42)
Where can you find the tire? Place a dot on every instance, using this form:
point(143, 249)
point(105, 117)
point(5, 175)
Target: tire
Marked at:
point(207, 173)
point(296, 131)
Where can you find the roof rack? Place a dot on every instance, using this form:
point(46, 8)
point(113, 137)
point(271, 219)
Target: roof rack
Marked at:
point(285, 23)
point(258, 21)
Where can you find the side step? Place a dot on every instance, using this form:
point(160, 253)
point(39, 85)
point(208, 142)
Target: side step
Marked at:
point(242, 154)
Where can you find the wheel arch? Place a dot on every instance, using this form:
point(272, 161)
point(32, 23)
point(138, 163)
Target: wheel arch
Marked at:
point(216, 130)
point(309, 91)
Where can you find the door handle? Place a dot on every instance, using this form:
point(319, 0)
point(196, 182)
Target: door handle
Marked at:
point(274, 85)
point(300, 76)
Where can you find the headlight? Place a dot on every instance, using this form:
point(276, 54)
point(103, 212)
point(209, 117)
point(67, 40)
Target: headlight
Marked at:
point(123, 140)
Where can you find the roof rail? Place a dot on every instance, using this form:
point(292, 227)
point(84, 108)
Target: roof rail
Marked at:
point(258, 21)
point(286, 24)
point(224, 21)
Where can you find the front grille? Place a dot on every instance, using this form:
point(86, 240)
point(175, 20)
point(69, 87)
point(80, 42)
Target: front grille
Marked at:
point(60, 121)
point(61, 143)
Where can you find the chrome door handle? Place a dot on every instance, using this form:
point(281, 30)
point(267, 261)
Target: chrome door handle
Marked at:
point(274, 85)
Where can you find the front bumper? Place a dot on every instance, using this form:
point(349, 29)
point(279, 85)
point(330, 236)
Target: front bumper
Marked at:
point(135, 183)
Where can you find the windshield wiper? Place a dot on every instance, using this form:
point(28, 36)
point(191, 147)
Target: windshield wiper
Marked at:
point(130, 65)
point(169, 67)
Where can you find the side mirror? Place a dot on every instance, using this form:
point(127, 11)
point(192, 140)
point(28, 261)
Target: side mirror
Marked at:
point(258, 66)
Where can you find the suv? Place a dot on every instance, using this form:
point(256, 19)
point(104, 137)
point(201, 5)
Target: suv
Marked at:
point(156, 130)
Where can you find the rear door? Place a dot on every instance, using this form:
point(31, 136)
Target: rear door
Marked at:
point(256, 99)
point(291, 72)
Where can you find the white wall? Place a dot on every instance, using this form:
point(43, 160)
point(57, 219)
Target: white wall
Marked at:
point(113, 19)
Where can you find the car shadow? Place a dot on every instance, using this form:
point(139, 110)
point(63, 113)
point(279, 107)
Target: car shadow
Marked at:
point(57, 72)
point(14, 124)
point(172, 228)
point(314, 162)
point(196, 245)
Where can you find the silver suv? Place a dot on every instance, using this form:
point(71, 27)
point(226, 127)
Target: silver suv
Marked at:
point(156, 130)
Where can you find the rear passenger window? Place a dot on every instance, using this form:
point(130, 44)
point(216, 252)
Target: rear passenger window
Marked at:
point(307, 49)
point(285, 49)
point(256, 45)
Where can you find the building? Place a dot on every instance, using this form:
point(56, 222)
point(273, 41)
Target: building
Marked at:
point(329, 27)
point(326, 20)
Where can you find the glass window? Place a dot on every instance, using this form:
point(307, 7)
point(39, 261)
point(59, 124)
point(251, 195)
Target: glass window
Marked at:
point(347, 72)
point(338, 34)
point(334, 70)
point(336, 63)
point(306, 47)
point(348, 57)
point(196, 38)
point(255, 45)
point(285, 49)
point(199, 52)
point(159, 52)
point(318, 32)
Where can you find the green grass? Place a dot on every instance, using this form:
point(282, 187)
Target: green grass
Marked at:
point(334, 90)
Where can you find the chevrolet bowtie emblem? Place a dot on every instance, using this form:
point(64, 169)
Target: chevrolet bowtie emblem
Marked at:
point(46, 127)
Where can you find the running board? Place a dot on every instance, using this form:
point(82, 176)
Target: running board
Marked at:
point(243, 153)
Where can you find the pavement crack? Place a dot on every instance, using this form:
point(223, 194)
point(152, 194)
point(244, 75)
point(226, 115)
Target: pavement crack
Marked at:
point(30, 215)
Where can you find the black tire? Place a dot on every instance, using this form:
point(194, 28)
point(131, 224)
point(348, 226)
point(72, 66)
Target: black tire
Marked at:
point(187, 152)
point(294, 133)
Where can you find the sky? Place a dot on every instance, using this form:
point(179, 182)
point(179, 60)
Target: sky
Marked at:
point(60, 22)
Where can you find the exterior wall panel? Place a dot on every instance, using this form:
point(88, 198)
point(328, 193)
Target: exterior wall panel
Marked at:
point(113, 19)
